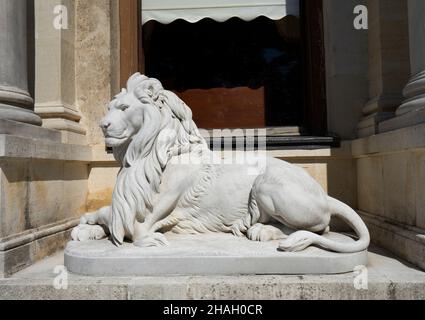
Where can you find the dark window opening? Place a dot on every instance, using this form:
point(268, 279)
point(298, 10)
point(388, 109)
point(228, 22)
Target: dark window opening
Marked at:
point(234, 74)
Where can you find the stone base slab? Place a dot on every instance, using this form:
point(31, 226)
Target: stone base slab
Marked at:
point(206, 255)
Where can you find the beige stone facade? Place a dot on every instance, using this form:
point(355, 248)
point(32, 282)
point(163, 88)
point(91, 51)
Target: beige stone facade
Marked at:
point(47, 183)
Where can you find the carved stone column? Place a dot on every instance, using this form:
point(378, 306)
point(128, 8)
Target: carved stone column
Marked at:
point(412, 110)
point(388, 62)
point(15, 101)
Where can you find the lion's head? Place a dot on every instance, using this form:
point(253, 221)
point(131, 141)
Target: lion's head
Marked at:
point(145, 114)
point(146, 126)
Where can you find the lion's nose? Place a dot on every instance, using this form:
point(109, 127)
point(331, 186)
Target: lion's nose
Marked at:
point(105, 125)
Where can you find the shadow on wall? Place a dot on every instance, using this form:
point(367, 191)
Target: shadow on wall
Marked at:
point(31, 47)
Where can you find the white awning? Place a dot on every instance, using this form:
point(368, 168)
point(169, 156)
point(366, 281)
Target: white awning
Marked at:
point(167, 11)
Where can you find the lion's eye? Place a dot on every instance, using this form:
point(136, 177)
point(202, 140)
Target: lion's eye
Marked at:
point(124, 107)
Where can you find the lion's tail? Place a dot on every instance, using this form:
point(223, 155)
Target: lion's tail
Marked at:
point(302, 239)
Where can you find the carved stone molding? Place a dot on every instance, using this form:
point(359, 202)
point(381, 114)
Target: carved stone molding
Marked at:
point(414, 94)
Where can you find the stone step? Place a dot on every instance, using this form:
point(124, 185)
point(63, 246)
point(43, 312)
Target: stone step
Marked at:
point(388, 278)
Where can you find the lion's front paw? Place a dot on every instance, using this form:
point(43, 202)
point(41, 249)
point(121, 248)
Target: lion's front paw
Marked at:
point(85, 232)
point(153, 240)
point(89, 218)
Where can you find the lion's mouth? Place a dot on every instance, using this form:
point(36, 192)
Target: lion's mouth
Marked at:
point(114, 141)
point(114, 137)
point(117, 135)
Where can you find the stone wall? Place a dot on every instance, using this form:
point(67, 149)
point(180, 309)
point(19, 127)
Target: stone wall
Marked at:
point(391, 190)
point(95, 63)
point(97, 47)
point(43, 188)
point(390, 157)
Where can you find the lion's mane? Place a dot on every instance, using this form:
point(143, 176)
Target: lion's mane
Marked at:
point(168, 130)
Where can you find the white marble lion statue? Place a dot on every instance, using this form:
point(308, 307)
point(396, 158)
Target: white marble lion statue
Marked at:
point(153, 135)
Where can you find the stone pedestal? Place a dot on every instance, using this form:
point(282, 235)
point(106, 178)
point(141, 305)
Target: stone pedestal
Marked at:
point(388, 62)
point(215, 254)
point(412, 110)
point(15, 102)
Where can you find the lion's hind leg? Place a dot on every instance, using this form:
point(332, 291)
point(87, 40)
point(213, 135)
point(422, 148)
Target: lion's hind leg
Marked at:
point(262, 230)
point(263, 233)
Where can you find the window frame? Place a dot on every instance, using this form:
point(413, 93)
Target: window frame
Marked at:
point(315, 107)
